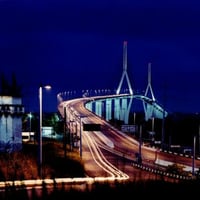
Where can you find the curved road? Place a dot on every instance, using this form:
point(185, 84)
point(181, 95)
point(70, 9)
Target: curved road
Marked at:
point(111, 153)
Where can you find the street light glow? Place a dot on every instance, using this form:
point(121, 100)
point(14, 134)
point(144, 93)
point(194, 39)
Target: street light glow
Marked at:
point(48, 87)
point(40, 136)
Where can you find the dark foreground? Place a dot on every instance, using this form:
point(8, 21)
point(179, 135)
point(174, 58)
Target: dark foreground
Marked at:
point(142, 189)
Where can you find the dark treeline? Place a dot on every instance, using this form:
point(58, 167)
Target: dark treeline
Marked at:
point(151, 189)
point(10, 88)
point(179, 128)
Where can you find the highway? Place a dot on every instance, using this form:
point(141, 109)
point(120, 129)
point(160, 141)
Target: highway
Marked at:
point(111, 153)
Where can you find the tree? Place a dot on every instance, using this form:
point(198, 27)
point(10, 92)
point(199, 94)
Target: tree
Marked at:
point(12, 89)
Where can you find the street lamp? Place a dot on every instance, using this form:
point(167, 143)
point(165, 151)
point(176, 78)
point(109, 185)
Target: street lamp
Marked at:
point(193, 158)
point(80, 121)
point(81, 138)
point(30, 116)
point(40, 131)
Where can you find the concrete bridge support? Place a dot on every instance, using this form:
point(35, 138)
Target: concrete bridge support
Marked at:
point(89, 105)
point(98, 108)
point(108, 109)
point(117, 108)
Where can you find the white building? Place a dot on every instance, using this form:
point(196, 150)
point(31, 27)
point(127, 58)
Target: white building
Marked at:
point(11, 111)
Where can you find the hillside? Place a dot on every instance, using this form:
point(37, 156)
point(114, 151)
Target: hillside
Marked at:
point(23, 165)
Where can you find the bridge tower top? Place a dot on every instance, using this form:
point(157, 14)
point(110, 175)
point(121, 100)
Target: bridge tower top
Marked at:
point(149, 88)
point(124, 73)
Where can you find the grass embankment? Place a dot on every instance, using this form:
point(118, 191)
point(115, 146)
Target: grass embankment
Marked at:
point(23, 165)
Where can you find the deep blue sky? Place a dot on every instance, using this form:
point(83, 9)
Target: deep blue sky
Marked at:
point(78, 45)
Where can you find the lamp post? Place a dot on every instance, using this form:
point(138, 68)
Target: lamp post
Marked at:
point(30, 116)
point(40, 124)
point(193, 158)
point(81, 138)
point(81, 129)
point(30, 127)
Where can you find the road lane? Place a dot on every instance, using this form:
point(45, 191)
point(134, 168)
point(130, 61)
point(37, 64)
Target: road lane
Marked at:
point(125, 147)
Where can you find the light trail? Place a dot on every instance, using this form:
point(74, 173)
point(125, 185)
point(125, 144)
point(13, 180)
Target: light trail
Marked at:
point(103, 162)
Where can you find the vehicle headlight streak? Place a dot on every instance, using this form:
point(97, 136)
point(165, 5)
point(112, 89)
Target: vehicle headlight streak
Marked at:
point(102, 161)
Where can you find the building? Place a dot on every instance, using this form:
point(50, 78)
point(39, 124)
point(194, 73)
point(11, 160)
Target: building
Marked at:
point(11, 111)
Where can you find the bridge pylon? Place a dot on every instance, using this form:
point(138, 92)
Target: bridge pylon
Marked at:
point(149, 88)
point(151, 109)
point(124, 74)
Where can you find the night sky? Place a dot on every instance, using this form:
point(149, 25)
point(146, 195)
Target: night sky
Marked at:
point(78, 45)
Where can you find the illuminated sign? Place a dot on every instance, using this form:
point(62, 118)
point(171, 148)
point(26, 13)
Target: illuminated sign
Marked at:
point(129, 128)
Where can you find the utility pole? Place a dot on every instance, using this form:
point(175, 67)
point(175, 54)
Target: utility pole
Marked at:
point(199, 139)
point(193, 158)
point(140, 146)
point(163, 130)
point(81, 137)
point(163, 119)
point(65, 130)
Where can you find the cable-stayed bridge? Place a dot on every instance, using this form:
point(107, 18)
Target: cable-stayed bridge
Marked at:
point(93, 106)
point(120, 101)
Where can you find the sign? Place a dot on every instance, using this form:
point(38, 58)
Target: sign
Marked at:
point(92, 127)
point(129, 128)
